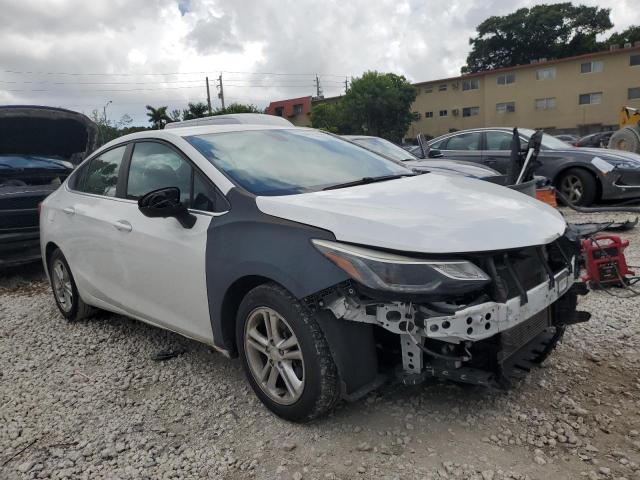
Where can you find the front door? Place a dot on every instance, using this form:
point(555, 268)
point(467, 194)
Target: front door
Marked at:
point(164, 279)
point(497, 153)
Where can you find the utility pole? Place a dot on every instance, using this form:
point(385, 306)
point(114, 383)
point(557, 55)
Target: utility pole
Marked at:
point(318, 88)
point(208, 96)
point(346, 85)
point(104, 112)
point(221, 94)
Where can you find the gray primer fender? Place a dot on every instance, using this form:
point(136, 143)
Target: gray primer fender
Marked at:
point(246, 242)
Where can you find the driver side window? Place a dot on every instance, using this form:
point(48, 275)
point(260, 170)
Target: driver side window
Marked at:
point(499, 140)
point(155, 165)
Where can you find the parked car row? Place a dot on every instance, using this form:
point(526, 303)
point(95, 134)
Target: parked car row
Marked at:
point(583, 175)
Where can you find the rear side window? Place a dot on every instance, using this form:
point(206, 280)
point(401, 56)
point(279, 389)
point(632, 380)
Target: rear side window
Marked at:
point(101, 175)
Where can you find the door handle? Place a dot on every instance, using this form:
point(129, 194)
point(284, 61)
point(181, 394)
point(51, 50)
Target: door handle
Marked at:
point(123, 226)
point(69, 210)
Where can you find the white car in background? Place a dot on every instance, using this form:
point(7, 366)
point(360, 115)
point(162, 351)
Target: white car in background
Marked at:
point(326, 267)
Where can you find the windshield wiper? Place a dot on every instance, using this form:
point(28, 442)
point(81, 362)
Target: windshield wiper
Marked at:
point(366, 180)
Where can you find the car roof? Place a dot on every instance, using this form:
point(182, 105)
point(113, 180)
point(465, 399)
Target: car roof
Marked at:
point(176, 133)
point(355, 137)
point(482, 129)
point(233, 119)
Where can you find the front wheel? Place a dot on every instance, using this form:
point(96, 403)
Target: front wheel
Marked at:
point(285, 355)
point(579, 187)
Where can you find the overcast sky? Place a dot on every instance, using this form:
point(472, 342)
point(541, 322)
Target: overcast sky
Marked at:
point(80, 54)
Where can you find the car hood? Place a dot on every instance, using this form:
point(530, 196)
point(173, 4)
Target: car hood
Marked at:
point(428, 213)
point(611, 155)
point(455, 167)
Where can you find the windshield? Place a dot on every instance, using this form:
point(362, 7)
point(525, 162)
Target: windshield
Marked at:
point(385, 147)
point(288, 161)
point(548, 141)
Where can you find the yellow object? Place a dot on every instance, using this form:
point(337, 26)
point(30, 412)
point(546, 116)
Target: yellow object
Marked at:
point(629, 117)
point(628, 137)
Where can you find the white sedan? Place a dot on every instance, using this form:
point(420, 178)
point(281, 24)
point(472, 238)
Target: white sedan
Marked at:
point(327, 268)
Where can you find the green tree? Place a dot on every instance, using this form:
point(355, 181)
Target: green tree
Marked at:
point(195, 110)
point(237, 108)
point(630, 35)
point(379, 104)
point(175, 115)
point(543, 31)
point(157, 117)
point(329, 117)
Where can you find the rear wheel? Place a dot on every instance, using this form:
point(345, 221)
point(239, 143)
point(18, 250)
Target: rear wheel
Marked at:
point(285, 355)
point(627, 138)
point(579, 186)
point(64, 289)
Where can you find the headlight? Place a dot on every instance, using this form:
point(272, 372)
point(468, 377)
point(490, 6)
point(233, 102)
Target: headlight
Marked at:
point(627, 165)
point(396, 273)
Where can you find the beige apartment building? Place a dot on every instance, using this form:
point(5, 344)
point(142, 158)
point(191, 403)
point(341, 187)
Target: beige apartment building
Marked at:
point(580, 94)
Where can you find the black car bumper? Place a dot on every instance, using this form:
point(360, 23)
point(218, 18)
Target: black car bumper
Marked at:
point(19, 248)
point(621, 183)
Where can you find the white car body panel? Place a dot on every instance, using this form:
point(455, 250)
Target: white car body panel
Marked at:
point(428, 213)
point(155, 272)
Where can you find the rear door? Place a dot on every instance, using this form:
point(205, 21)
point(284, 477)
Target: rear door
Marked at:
point(88, 218)
point(497, 150)
point(463, 146)
point(164, 280)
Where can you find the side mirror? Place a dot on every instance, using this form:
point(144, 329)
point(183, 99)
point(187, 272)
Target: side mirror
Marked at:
point(433, 153)
point(164, 203)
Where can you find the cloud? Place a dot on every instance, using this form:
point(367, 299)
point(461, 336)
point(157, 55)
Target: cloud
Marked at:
point(56, 38)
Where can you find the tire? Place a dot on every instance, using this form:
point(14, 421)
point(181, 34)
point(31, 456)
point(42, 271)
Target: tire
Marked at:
point(579, 186)
point(627, 138)
point(313, 390)
point(65, 292)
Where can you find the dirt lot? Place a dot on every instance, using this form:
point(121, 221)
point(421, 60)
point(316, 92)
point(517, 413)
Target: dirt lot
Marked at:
point(85, 400)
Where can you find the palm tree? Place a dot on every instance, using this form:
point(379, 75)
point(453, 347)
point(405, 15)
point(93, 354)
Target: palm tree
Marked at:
point(195, 110)
point(158, 117)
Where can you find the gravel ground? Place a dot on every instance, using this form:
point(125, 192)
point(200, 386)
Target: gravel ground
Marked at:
point(85, 400)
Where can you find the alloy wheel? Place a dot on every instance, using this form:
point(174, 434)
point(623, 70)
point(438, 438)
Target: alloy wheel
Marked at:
point(62, 288)
point(274, 356)
point(572, 188)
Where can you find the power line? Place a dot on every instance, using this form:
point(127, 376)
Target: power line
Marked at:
point(129, 74)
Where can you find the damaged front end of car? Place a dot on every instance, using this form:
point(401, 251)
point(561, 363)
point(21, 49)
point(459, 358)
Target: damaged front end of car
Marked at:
point(482, 318)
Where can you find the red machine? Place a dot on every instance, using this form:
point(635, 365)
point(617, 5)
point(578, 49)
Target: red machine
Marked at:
point(604, 261)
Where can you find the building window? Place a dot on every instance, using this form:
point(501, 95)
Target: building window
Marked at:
point(506, 79)
point(428, 89)
point(470, 111)
point(634, 93)
point(546, 73)
point(442, 88)
point(473, 84)
point(444, 113)
point(428, 114)
point(506, 107)
point(592, 67)
point(280, 111)
point(590, 98)
point(545, 103)
point(634, 60)
point(297, 109)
